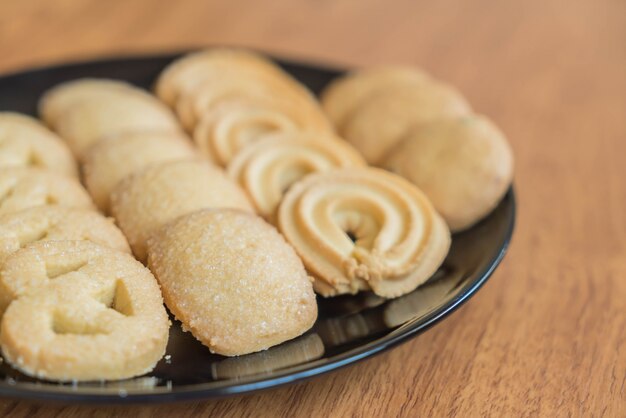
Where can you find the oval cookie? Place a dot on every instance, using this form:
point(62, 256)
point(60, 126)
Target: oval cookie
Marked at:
point(148, 199)
point(232, 280)
point(464, 165)
point(108, 162)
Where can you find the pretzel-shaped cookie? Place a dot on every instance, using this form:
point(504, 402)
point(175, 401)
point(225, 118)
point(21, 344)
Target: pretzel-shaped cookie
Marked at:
point(363, 228)
point(25, 142)
point(54, 223)
point(22, 188)
point(82, 312)
point(267, 168)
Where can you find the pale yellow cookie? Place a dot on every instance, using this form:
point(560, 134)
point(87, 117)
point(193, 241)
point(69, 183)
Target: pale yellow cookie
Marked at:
point(232, 280)
point(81, 312)
point(194, 105)
point(346, 93)
point(148, 199)
point(267, 168)
point(108, 162)
point(22, 188)
point(61, 97)
point(464, 165)
point(98, 113)
point(186, 74)
point(25, 142)
point(363, 229)
point(378, 123)
point(238, 121)
point(55, 223)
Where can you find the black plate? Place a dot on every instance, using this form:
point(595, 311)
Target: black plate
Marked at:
point(349, 328)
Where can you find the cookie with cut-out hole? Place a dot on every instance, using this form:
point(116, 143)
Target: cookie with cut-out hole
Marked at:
point(55, 223)
point(22, 188)
point(81, 312)
point(25, 142)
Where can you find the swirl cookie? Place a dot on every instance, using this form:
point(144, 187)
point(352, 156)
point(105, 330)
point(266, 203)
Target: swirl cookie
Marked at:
point(363, 229)
point(464, 165)
point(108, 162)
point(148, 199)
point(22, 188)
point(378, 123)
point(232, 280)
point(185, 75)
point(344, 94)
point(83, 112)
point(260, 88)
point(267, 168)
point(24, 142)
point(238, 121)
point(81, 312)
point(55, 223)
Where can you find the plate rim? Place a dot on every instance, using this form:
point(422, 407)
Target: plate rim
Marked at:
point(304, 371)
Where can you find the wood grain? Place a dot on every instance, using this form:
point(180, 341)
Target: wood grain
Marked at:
point(547, 335)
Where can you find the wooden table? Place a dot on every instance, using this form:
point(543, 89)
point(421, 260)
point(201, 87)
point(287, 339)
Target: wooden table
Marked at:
point(547, 335)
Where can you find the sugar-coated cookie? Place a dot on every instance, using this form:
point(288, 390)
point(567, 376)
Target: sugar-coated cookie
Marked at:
point(363, 229)
point(55, 223)
point(267, 168)
point(148, 199)
point(108, 162)
point(25, 142)
point(464, 165)
point(87, 111)
point(81, 312)
point(22, 188)
point(232, 280)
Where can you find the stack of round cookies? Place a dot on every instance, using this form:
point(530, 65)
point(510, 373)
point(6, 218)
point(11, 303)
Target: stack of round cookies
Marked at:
point(270, 205)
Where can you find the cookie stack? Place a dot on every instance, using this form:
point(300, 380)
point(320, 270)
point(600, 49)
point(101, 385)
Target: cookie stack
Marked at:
point(75, 304)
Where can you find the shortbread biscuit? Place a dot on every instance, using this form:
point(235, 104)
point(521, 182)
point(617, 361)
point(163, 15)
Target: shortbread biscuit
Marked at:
point(108, 162)
point(232, 280)
point(22, 188)
point(191, 107)
point(88, 117)
point(55, 223)
point(82, 312)
point(148, 199)
point(464, 165)
point(267, 168)
point(55, 101)
point(363, 229)
point(239, 121)
point(186, 74)
point(346, 93)
point(24, 142)
point(379, 123)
